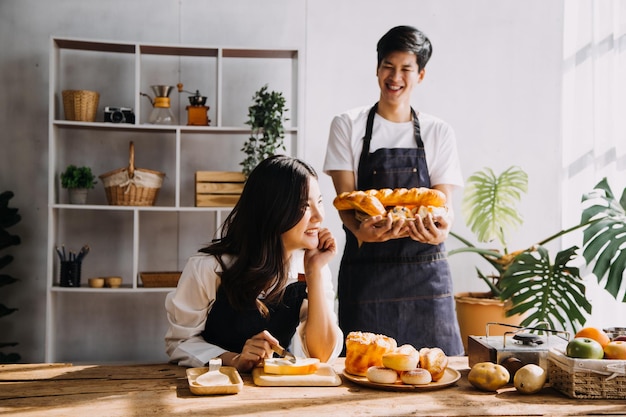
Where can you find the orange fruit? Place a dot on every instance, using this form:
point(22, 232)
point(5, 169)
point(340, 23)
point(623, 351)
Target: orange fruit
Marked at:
point(615, 350)
point(594, 333)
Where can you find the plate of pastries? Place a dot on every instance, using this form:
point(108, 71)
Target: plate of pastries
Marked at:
point(376, 361)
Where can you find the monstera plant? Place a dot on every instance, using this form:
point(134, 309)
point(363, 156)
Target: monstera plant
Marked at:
point(539, 287)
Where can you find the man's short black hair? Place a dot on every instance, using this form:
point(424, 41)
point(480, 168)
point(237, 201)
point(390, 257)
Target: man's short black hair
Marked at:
point(405, 39)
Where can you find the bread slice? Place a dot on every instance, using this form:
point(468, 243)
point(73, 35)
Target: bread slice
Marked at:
point(282, 366)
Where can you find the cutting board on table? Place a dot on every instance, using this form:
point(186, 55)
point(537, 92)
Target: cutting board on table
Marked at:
point(325, 376)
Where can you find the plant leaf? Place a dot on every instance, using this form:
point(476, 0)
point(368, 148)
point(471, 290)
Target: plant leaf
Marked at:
point(490, 203)
point(553, 293)
point(604, 240)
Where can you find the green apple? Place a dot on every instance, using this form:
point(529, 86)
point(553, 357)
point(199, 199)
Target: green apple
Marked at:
point(585, 348)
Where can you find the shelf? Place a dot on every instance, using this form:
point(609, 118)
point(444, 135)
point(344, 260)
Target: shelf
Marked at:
point(160, 128)
point(138, 208)
point(126, 240)
point(123, 289)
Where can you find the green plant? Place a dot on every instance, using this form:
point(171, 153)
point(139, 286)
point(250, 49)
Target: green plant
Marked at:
point(265, 117)
point(545, 290)
point(77, 177)
point(8, 217)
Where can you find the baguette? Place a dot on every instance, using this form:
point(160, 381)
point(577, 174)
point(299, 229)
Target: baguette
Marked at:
point(399, 201)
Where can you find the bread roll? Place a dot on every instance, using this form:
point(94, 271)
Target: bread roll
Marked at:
point(404, 358)
point(435, 361)
point(417, 376)
point(400, 361)
point(365, 349)
point(381, 375)
point(361, 201)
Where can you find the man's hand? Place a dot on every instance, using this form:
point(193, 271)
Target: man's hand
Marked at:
point(431, 230)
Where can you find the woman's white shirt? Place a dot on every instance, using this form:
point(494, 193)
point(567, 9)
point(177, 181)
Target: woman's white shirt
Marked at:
point(188, 306)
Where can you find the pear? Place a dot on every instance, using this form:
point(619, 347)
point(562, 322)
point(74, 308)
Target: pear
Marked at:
point(530, 378)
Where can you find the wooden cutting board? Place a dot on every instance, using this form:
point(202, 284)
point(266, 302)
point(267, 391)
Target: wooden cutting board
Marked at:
point(324, 377)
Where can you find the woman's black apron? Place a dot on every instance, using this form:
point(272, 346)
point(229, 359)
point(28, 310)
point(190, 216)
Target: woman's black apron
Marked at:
point(229, 328)
point(400, 288)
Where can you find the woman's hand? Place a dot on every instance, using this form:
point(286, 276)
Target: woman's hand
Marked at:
point(257, 348)
point(325, 251)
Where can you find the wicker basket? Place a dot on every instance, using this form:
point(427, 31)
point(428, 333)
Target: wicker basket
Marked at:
point(132, 186)
point(587, 378)
point(80, 105)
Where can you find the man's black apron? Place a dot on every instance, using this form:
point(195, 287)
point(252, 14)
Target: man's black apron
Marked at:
point(400, 288)
point(229, 328)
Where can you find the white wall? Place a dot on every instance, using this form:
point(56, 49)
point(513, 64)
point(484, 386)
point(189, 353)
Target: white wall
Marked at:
point(495, 76)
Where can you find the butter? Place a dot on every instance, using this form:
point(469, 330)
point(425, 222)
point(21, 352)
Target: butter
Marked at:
point(213, 378)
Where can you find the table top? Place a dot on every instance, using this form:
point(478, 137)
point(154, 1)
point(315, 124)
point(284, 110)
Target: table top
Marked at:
point(163, 389)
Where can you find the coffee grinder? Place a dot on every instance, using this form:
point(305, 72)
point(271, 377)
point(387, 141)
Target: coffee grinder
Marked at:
point(197, 112)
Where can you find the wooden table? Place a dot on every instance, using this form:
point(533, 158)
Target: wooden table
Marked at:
point(162, 390)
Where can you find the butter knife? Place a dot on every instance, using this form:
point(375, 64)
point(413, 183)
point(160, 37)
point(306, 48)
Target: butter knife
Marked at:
point(284, 353)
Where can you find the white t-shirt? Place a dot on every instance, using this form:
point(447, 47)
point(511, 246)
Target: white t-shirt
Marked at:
point(347, 130)
point(188, 306)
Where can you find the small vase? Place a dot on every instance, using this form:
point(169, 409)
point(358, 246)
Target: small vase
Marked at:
point(78, 195)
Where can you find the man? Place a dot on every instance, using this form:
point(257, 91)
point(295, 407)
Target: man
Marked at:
point(394, 277)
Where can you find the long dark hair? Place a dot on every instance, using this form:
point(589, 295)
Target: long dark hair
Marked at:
point(273, 201)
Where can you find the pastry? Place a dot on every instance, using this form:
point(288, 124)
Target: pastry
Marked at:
point(365, 349)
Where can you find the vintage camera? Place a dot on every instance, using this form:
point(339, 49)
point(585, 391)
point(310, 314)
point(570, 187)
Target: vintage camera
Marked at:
point(119, 115)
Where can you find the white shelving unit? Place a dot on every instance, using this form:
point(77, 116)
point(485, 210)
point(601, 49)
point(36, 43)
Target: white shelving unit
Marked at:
point(127, 324)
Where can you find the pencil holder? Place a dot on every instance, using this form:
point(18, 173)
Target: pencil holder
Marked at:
point(70, 274)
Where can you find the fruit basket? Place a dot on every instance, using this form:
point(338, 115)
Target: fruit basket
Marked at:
point(587, 378)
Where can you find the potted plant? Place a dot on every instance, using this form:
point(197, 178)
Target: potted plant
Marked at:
point(8, 217)
point(536, 286)
point(78, 180)
point(266, 118)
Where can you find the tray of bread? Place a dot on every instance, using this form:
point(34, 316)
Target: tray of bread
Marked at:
point(399, 203)
point(304, 372)
point(375, 361)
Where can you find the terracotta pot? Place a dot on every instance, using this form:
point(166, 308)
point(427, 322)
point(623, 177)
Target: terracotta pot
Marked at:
point(475, 309)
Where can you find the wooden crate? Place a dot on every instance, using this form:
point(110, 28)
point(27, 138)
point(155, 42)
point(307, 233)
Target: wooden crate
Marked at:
point(218, 188)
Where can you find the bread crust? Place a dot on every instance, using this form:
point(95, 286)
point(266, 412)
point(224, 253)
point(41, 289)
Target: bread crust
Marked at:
point(418, 376)
point(375, 202)
point(364, 349)
point(435, 361)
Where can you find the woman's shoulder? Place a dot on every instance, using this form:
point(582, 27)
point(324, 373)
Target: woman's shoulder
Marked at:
point(204, 261)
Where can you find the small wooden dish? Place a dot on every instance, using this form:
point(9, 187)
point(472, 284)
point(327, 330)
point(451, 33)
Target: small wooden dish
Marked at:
point(113, 282)
point(236, 383)
point(96, 282)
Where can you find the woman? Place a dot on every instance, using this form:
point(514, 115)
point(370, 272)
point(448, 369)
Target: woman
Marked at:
point(265, 282)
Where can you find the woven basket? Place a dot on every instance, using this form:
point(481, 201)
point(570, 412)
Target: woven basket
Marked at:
point(132, 186)
point(80, 105)
point(159, 279)
point(587, 378)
